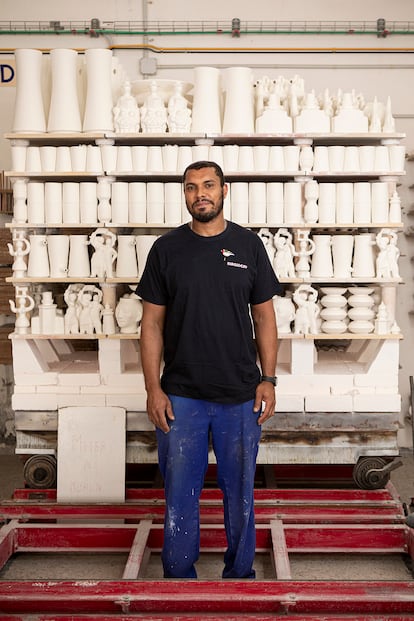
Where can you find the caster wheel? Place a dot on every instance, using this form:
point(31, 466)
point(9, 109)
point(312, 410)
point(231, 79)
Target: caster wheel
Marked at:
point(39, 472)
point(368, 473)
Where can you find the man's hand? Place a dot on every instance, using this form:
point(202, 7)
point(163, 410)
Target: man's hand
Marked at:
point(159, 409)
point(265, 393)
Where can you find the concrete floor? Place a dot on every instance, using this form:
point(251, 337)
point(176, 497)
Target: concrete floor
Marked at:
point(110, 566)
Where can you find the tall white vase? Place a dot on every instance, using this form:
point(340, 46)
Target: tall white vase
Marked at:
point(257, 202)
point(274, 198)
point(36, 202)
point(78, 264)
point(120, 202)
point(126, 263)
point(239, 101)
point(364, 259)
point(143, 246)
point(342, 248)
point(64, 113)
point(70, 202)
point(240, 202)
point(362, 202)
point(322, 264)
point(327, 203)
point(206, 113)
point(58, 251)
point(344, 203)
point(88, 202)
point(98, 106)
point(173, 203)
point(155, 202)
point(53, 203)
point(137, 202)
point(38, 263)
point(293, 203)
point(29, 112)
point(379, 202)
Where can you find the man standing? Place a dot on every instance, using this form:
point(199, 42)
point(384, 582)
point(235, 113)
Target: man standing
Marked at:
point(204, 285)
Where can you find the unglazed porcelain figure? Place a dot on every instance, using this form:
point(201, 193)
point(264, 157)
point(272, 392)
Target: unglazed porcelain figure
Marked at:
point(285, 313)
point(71, 320)
point(179, 113)
point(126, 112)
point(128, 313)
point(305, 250)
point(154, 112)
point(305, 297)
point(283, 262)
point(19, 249)
point(104, 254)
point(267, 239)
point(21, 307)
point(89, 309)
point(388, 255)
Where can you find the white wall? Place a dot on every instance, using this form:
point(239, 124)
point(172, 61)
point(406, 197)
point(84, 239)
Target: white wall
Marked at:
point(370, 65)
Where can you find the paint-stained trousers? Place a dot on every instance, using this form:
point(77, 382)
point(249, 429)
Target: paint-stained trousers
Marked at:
point(183, 460)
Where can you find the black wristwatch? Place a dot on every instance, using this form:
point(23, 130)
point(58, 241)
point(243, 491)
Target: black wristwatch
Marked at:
point(269, 378)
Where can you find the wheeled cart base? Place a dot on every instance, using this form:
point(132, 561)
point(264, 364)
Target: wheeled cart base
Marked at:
point(289, 521)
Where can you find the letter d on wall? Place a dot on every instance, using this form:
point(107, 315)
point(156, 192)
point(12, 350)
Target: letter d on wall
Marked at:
point(8, 73)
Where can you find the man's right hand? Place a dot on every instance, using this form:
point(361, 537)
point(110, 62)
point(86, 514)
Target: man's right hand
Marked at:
point(159, 409)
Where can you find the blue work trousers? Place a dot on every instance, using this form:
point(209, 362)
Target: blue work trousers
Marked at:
point(183, 460)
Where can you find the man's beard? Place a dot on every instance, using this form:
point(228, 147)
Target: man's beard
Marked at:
point(210, 215)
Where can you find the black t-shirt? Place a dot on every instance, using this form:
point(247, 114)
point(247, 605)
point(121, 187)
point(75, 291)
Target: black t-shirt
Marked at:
point(207, 285)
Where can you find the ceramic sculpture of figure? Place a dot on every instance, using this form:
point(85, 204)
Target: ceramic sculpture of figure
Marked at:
point(285, 313)
point(89, 309)
point(18, 250)
point(154, 112)
point(285, 250)
point(128, 313)
point(126, 112)
point(388, 254)
point(96, 310)
point(23, 305)
point(306, 249)
point(71, 321)
point(307, 312)
point(267, 239)
point(179, 114)
point(104, 254)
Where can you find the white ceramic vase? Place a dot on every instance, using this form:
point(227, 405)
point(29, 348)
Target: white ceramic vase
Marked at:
point(98, 106)
point(78, 264)
point(239, 101)
point(342, 250)
point(29, 112)
point(206, 112)
point(38, 263)
point(58, 252)
point(322, 264)
point(126, 264)
point(64, 113)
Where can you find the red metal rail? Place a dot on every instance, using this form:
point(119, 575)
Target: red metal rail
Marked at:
point(340, 524)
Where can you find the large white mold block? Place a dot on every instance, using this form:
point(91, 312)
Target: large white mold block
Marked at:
point(27, 358)
point(332, 403)
point(91, 454)
point(110, 357)
point(302, 357)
